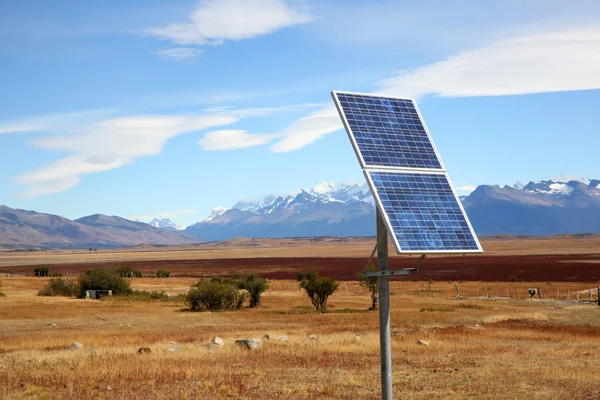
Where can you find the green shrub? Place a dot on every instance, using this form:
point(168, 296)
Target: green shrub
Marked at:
point(60, 287)
point(317, 288)
point(371, 283)
point(144, 295)
point(163, 273)
point(41, 271)
point(255, 286)
point(215, 294)
point(103, 279)
point(128, 272)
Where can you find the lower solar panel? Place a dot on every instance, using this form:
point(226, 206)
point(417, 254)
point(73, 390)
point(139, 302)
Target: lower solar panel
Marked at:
point(423, 212)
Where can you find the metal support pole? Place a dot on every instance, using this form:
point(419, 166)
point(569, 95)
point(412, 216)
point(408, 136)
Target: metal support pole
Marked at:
point(384, 310)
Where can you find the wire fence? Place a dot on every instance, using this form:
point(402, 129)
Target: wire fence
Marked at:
point(569, 293)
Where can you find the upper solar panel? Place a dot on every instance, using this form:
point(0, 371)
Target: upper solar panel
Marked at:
point(422, 212)
point(387, 132)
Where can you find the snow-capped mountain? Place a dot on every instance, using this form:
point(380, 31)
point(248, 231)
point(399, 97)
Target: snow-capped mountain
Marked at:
point(324, 209)
point(564, 204)
point(165, 223)
point(321, 193)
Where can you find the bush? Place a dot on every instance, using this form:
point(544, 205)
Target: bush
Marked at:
point(128, 272)
point(103, 279)
point(215, 294)
point(41, 271)
point(317, 288)
point(371, 283)
point(255, 286)
point(1, 293)
point(60, 287)
point(163, 273)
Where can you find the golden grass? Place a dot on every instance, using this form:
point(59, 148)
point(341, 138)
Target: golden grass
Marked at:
point(254, 248)
point(482, 349)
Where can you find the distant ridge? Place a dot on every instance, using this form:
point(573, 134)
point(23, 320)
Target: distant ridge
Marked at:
point(22, 228)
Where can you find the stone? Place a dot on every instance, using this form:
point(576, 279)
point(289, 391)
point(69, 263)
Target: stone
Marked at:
point(423, 342)
point(52, 324)
point(76, 346)
point(357, 338)
point(143, 350)
point(174, 347)
point(314, 337)
point(267, 337)
point(218, 341)
point(250, 344)
point(282, 338)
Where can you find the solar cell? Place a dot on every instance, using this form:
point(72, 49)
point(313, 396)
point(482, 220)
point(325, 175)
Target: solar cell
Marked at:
point(387, 132)
point(422, 211)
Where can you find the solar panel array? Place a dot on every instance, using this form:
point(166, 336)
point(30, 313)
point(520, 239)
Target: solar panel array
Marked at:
point(406, 174)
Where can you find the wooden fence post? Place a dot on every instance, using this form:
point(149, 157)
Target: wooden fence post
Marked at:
point(540, 292)
point(568, 294)
point(518, 295)
point(507, 294)
point(486, 292)
point(477, 291)
point(456, 289)
point(557, 293)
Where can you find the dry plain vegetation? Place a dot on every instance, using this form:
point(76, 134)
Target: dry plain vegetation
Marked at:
point(478, 348)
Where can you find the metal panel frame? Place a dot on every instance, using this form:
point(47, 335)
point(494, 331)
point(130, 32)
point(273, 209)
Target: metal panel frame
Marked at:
point(363, 164)
point(389, 224)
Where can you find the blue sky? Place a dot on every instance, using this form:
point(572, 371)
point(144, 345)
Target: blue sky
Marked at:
point(161, 108)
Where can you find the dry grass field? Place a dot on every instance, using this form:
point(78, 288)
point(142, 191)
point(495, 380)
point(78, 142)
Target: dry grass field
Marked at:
point(478, 349)
point(505, 346)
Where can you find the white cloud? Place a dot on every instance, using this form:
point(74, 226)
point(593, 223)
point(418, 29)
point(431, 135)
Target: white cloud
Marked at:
point(64, 122)
point(113, 143)
point(109, 144)
point(548, 62)
point(215, 21)
point(232, 139)
point(551, 62)
point(179, 53)
point(308, 129)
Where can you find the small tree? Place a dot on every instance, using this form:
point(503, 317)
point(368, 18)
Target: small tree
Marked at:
point(42, 271)
point(128, 272)
point(371, 283)
point(317, 288)
point(215, 294)
point(163, 273)
point(255, 286)
point(103, 279)
point(60, 287)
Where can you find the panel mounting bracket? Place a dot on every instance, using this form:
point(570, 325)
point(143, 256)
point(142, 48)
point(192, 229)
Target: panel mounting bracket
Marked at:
point(397, 272)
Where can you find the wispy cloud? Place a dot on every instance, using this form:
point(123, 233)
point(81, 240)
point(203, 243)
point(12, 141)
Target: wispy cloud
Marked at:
point(113, 143)
point(233, 139)
point(179, 53)
point(66, 122)
point(547, 62)
point(215, 21)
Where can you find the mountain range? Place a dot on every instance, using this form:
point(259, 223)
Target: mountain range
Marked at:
point(559, 205)
point(21, 228)
point(562, 205)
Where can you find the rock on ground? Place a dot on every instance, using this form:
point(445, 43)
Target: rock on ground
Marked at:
point(312, 336)
point(250, 344)
point(423, 342)
point(218, 341)
point(283, 338)
point(76, 346)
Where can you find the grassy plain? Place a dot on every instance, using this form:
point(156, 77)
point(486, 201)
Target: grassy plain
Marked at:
point(478, 349)
point(290, 248)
